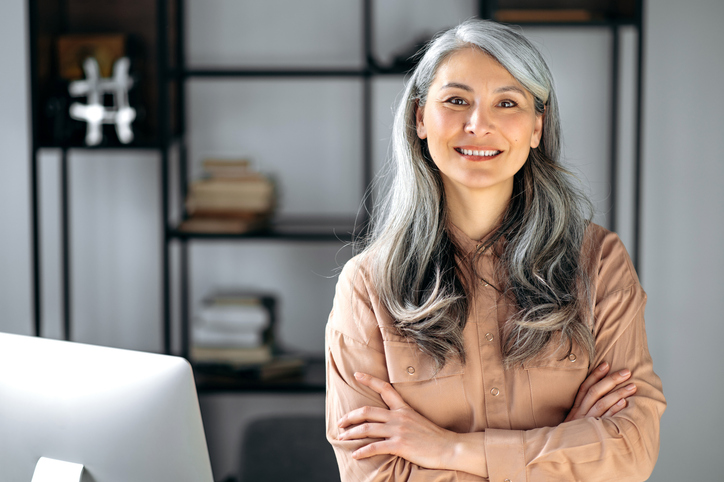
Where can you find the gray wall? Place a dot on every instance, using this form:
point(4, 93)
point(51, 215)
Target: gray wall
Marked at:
point(115, 204)
point(683, 226)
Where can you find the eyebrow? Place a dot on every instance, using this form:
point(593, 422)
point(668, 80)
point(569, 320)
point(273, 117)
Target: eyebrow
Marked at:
point(499, 90)
point(457, 85)
point(510, 88)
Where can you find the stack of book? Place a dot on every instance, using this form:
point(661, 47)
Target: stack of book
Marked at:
point(233, 339)
point(231, 198)
point(234, 330)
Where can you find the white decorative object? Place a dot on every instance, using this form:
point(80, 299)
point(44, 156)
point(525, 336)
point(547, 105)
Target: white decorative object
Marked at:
point(94, 112)
point(52, 470)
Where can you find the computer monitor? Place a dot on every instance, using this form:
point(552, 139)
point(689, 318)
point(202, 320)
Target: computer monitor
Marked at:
point(124, 415)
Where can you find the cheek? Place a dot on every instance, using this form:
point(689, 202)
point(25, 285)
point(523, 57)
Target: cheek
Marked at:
point(519, 133)
point(439, 124)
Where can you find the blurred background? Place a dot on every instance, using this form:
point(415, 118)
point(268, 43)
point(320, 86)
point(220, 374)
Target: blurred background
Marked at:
point(137, 281)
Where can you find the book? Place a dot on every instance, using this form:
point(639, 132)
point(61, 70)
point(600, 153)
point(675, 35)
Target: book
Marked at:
point(223, 225)
point(234, 357)
point(239, 317)
point(228, 168)
point(206, 338)
point(278, 368)
point(252, 186)
point(515, 15)
point(228, 196)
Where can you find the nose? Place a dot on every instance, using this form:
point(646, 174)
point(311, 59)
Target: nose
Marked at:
point(480, 121)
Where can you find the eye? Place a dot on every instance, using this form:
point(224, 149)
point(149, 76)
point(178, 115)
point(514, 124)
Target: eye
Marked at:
point(456, 101)
point(507, 103)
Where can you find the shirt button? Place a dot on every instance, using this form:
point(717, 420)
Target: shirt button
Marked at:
point(489, 336)
point(410, 370)
point(572, 357)
point(494, 391)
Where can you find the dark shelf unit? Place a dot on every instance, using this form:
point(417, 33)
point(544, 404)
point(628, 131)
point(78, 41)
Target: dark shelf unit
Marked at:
point(168, 131)
point(311, 380)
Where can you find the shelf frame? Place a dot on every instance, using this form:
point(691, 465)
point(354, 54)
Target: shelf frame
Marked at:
point(168, 139)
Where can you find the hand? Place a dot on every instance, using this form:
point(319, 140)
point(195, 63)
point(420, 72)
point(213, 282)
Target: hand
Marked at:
point(400, 429)
point(597, 397)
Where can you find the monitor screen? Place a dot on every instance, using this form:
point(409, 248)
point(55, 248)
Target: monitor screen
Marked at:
point(124, 415)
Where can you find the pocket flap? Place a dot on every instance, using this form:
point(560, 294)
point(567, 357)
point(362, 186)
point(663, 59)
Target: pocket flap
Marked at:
point(407, 363)
point(558, 358)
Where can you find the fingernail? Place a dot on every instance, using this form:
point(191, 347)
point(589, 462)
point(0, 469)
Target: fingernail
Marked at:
point(624, 373)
point(621, 402)
point(630, 387)
point(603, 366)
point(358, 375)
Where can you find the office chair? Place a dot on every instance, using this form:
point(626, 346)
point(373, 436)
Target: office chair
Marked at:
point(288, 448)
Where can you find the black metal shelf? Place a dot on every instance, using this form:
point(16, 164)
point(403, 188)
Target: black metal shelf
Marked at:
point(591, 24)
point(290, 229)
point(240, 72)
point(311, 380)
point(167, 133)
point(119, 147)
point(113, 145)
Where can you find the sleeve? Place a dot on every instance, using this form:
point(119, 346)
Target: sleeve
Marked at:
point(354, 343)
point(623, 447)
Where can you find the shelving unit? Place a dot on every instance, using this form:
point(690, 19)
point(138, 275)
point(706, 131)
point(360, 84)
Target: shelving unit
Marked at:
point(165, 129)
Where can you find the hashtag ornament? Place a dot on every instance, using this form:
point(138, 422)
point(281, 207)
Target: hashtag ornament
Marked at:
point(95, 113)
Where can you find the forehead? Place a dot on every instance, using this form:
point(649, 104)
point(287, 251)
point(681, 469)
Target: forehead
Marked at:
point(472, 67)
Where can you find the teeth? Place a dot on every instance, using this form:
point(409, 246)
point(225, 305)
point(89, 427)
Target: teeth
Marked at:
point(469, 152)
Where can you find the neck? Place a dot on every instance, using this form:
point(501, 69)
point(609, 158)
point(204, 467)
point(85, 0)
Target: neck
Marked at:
point(477, 212)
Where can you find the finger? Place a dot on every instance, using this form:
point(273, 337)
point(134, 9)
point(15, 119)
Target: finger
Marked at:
point(364, 414)
point(601, 388)
point(620, 405)
point(383, 447)
point(606, 403)
point(591, 380)
point(366, 430)
point(388, 393)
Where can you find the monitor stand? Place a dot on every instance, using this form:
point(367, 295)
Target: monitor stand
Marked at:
point(51, 470)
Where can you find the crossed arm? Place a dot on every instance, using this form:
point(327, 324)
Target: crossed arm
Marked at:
point(610, 433)
point(401, 431)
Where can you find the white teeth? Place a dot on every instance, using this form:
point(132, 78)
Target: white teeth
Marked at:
point(469, 152)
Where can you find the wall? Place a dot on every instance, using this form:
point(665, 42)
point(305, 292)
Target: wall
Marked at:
point(683, 230)
point(15, 288)
point(115, 224)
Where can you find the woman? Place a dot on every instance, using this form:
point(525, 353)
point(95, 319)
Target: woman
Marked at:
point(505, 322)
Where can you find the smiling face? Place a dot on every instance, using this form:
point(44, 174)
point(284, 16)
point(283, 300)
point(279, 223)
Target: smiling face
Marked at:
point(480, 124)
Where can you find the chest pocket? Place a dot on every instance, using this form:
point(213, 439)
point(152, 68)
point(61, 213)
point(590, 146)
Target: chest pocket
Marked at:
point(554, 379)
point(440, 397)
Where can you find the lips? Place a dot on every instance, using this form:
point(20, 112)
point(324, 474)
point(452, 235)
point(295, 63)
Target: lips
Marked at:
point(478, 152)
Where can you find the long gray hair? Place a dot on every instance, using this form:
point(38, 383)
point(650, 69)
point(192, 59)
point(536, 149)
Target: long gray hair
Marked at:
point(414, 260)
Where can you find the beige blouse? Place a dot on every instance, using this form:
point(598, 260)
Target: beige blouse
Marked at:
point(520, 410)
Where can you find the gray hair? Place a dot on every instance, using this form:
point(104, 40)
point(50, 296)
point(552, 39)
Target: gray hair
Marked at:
point(413, 258)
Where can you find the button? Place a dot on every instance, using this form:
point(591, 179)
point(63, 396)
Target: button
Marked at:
point(494, 391)
point(506, 480)
point(572, 357)
point(410, 370)
point(489, 336)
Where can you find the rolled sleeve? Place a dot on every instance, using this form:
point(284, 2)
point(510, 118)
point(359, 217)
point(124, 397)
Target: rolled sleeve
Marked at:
point(504, 450)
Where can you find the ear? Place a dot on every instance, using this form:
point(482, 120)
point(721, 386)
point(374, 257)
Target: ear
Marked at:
point(419, 121)
point(537, 131)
